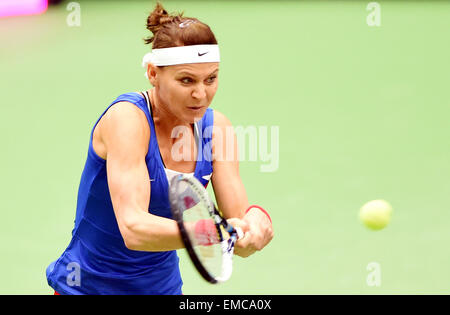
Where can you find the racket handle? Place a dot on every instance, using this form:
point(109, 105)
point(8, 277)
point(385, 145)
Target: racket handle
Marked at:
point(239, 232)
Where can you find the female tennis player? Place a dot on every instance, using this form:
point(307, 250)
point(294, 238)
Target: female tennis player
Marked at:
point(124, 240)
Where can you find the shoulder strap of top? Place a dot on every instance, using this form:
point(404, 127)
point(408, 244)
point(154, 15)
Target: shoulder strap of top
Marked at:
point(149, 106)
point(147, 99)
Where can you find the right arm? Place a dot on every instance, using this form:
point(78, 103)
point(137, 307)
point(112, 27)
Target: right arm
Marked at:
point(125, 134)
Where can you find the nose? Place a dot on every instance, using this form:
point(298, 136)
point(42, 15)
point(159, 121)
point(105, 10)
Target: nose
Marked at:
point(199, 92)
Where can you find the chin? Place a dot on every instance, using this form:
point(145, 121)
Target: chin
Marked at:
point(195, 117)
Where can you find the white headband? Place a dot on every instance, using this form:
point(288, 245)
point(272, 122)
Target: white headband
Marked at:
point(181, 55)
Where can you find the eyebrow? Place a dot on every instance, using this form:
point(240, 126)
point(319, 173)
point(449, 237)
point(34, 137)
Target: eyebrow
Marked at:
point(184, 72)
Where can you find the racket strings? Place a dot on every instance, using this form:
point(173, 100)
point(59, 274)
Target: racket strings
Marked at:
point(209, 235)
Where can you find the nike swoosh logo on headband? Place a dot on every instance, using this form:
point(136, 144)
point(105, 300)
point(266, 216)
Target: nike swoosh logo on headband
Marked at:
point(199, 54)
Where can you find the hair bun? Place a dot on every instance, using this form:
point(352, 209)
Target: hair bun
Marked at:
point(157, 19)
point(172, 30)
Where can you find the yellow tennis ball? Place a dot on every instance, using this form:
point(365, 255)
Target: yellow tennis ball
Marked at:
point(376, 214)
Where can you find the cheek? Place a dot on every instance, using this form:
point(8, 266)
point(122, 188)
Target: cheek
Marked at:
point(180, 95)
point(174, 95)
point(212, 91)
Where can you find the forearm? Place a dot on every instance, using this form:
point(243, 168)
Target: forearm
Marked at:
point(258, 211)
point(143, 231)
point(231, 197)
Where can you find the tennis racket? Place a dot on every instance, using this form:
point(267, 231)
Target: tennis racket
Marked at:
point(208, 238)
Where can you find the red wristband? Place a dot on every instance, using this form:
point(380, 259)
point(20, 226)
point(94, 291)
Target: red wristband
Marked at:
point(260, 208)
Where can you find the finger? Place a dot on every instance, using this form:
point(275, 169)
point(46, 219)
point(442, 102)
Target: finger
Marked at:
point(244, 241)
point(235, 222)
point(239, 232)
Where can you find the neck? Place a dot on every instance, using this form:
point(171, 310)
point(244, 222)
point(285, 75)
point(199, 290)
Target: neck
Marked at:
point(162, 116)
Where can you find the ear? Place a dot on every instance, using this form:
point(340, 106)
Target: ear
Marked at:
point(152, 74)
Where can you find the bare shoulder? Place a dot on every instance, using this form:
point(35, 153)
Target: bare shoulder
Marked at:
point(125, 116)
point(124, 112)
point(124, 126)
point(220, 120)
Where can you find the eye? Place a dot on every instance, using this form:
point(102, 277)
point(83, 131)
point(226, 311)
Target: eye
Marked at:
point(186, 80)
point(211, 79)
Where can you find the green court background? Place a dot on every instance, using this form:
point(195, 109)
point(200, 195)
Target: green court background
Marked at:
point(363, 114)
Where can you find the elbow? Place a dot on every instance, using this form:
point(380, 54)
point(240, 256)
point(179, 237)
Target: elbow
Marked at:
point(131, 242)
point(129, 235)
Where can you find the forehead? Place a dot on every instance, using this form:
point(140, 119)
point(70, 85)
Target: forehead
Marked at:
point(196, 69)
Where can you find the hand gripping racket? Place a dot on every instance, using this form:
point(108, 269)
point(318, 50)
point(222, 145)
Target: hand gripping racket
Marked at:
point(208, 238)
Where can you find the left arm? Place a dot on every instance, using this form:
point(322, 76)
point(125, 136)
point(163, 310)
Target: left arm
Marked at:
point(227, 184)
point(230, 191)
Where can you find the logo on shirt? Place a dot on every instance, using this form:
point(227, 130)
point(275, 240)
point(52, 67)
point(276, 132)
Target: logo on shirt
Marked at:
point(207, 177)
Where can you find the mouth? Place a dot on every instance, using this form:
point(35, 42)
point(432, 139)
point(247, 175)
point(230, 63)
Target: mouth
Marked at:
point(196, 108)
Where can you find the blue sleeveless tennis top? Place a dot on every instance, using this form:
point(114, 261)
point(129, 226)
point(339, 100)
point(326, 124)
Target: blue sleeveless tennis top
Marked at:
point(97, 260)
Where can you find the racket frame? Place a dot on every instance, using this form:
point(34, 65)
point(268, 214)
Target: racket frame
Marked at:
point(215, 215)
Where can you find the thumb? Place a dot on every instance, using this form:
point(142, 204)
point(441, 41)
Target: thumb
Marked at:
point(235, 222)
point(244, 241)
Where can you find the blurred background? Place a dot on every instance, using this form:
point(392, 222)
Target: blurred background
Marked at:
point(360, 93)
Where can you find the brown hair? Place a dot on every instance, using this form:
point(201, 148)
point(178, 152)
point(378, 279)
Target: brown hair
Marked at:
point(167, 31)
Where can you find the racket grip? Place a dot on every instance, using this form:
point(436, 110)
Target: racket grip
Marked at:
point(239, 232)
